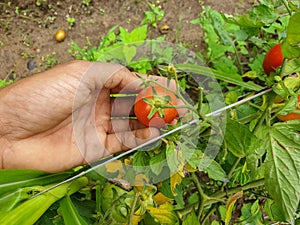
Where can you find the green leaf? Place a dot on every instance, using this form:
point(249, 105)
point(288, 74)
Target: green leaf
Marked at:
point(216, 172)
point(282, 171)
point(140, 161)
point(129, 52)
point(69, 213)
point(191, 219)
point(292, 66)
point(136, 35)
point(11, 200)
point(239, 140)
point(290, 47)
point(4, 83)
point(252, 214)
point(14, 179)
point(156, 164)
point(230, 78)
point(218, 23)
point(31, 210)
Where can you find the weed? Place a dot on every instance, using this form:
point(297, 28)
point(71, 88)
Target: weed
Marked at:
point(102, 11)
point(71, 22)
point(152, 17)
point(49, 60)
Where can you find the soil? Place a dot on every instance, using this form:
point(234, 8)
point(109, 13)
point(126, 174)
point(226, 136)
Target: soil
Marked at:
point(27, 28)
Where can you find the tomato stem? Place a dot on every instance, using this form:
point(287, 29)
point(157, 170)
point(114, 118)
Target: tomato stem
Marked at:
point(136, 196)
point(202, 196)
point(233, 168)
point(220, 194)
point(287, 7)
point(178, 94)
point(238, 60)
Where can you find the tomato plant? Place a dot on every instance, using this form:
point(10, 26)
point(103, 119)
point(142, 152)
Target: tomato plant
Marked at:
point(273, 59)
point(155, 106)
point(193, 176)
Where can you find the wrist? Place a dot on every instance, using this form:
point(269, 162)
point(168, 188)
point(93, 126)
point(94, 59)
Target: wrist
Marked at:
point(3, 146)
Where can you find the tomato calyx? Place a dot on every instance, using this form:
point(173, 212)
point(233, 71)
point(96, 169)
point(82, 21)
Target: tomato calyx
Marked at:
point(158, 105)
point(155, 106)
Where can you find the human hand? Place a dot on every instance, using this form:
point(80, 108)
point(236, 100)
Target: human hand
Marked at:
point(61, 118)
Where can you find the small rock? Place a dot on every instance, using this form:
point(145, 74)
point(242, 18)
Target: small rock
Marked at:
point(31, 64)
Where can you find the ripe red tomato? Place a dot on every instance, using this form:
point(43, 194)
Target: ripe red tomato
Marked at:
point(292, 115)
point(152, 100)
point(273, 59)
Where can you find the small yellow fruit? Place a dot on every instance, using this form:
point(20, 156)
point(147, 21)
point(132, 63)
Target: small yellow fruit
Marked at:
point(60, 35)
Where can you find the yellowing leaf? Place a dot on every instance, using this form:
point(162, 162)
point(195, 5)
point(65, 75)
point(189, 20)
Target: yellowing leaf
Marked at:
point(114, 166)
point(189, 168)
point(137, 217)
point(160, 198)
point(230, 204)
point(174, 181)
point(127, 161)
point(164, 214)
point(140, 180)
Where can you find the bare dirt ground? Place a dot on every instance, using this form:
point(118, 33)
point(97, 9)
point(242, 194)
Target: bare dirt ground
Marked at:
point(27, 28)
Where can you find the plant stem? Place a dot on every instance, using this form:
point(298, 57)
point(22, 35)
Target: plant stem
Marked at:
point(238, 60)
point(136, 196)
point(220, 194)
point(202, 195)
point(206, 216)
point(233, 167)
point(178, 94)
point(287, 7)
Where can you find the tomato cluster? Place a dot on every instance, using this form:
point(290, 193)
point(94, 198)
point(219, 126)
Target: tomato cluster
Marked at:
point(272, 61)
point(155, 106)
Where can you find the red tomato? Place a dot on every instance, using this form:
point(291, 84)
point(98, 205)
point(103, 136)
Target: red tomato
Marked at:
point(273, 59)
point(152, 100)
point(292, 115)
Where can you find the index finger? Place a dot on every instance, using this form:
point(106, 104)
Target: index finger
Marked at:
point(124, 81)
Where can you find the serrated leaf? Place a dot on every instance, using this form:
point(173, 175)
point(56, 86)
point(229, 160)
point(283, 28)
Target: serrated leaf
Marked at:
point(240, 141)
point(282, 172)
point(69, 213)
point(136, 35)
